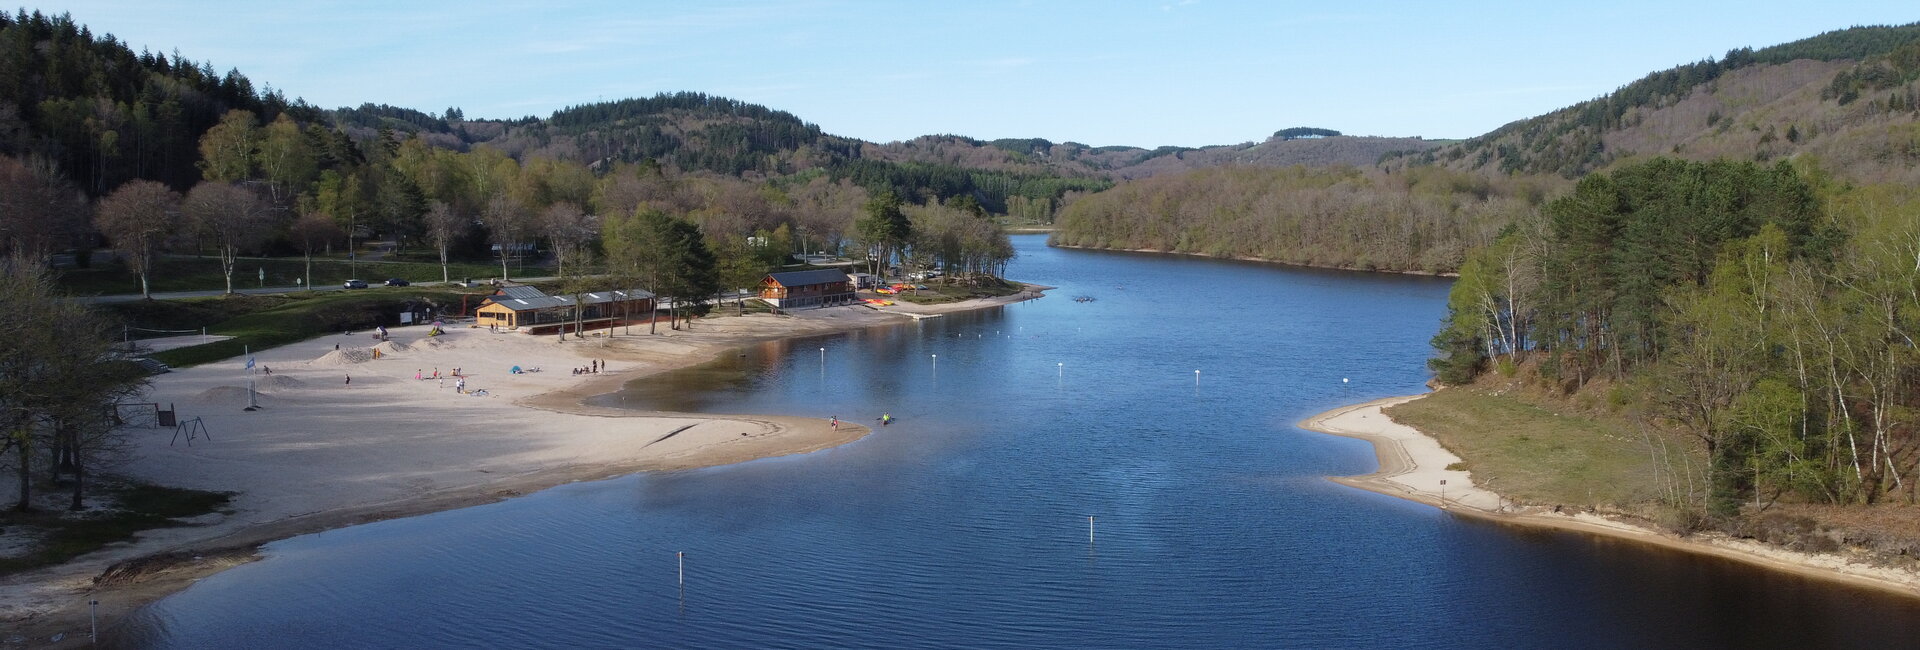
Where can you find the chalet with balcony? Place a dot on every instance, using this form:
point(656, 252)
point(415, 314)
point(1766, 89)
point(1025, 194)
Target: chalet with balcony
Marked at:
point(802, 289)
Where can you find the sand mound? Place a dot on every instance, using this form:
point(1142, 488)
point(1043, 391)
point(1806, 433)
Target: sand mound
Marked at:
point(276, 383)
point(343, 357)
point(390, 347)
point(226, 396)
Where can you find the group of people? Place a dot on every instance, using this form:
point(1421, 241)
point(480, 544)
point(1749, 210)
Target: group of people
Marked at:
point(591, 368)
point(419, 374)
point(885, 419)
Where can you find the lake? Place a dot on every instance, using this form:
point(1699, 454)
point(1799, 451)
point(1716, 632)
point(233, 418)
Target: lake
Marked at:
point(1164, 408)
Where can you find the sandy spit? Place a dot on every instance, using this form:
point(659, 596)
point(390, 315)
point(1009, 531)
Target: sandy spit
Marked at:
point(341, 439)
point(1413, 465)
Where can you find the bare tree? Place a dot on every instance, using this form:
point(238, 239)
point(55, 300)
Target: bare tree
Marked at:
point(233, 217)
point(444, 227)
point(314, 231)
point(40, 212)
point(139, 218)
point(568, 229)
point(58, 378)
point(507, 220)
point(83, 383)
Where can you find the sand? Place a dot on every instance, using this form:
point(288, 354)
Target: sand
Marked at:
point(323, 452)
point(1413, 464)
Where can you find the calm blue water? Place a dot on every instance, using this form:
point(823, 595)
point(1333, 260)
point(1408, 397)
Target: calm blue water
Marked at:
point(964, 525)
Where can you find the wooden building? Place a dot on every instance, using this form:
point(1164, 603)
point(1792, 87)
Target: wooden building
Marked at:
point(529, 310)
point(800, 289)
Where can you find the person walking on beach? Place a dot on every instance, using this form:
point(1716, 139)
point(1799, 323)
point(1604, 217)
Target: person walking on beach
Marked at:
point(436, 373)
point(349, 380)
point(886, 419)
point(416, 374)
point(834, 422)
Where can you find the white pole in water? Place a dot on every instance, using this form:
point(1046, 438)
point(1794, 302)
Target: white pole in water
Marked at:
point(1089, 529)
point(253, 400)
point(1196, 378)
point(1062, 367)
point(823, 357)
point(936, 363)
point(682, 556)
point(1443, 494)
point(93, 619)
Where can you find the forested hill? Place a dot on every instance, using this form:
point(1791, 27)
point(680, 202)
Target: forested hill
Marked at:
point(1124, 162)
point(103, 114)
point(1848, 98)
point(698, 132)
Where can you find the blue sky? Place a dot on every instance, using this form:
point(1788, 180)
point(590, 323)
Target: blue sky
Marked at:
point(1146, 73)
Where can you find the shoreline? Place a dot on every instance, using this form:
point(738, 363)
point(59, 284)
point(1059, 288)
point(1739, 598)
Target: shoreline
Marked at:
point(1412, 464)
point(565, 441)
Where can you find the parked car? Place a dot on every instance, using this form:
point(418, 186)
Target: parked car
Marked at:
point(396, 282)
point(354, 284)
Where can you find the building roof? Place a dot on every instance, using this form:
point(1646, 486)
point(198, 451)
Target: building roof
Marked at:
point(521, 291)
point(533, 300)
point(801, 278)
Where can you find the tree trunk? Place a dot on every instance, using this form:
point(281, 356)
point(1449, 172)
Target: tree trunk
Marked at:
point(79, 482)
point(444, 276)
point(146, 291)
point(228, 259)
point(26, 472)
point(309, 270)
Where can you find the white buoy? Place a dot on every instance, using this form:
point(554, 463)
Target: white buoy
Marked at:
point(1196, 378)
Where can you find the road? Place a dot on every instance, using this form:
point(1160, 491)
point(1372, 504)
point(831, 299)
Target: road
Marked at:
point(170, 295)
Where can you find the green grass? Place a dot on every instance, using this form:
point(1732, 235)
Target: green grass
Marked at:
point(266, 321)
point(139, 507)
point(203, 274)
point(940, 292)
point(1533, 454)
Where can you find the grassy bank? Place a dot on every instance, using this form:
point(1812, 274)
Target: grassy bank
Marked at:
point(1533, 451)
point(203, 274)
point(62, 535)
point(1567, 451)
point(941, 291)
point(264, 321)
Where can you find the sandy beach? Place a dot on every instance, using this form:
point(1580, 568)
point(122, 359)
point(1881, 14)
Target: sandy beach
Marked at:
point(341, 437)
point(1413, 465)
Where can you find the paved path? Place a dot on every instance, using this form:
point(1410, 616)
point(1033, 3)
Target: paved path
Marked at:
point(170, 295)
